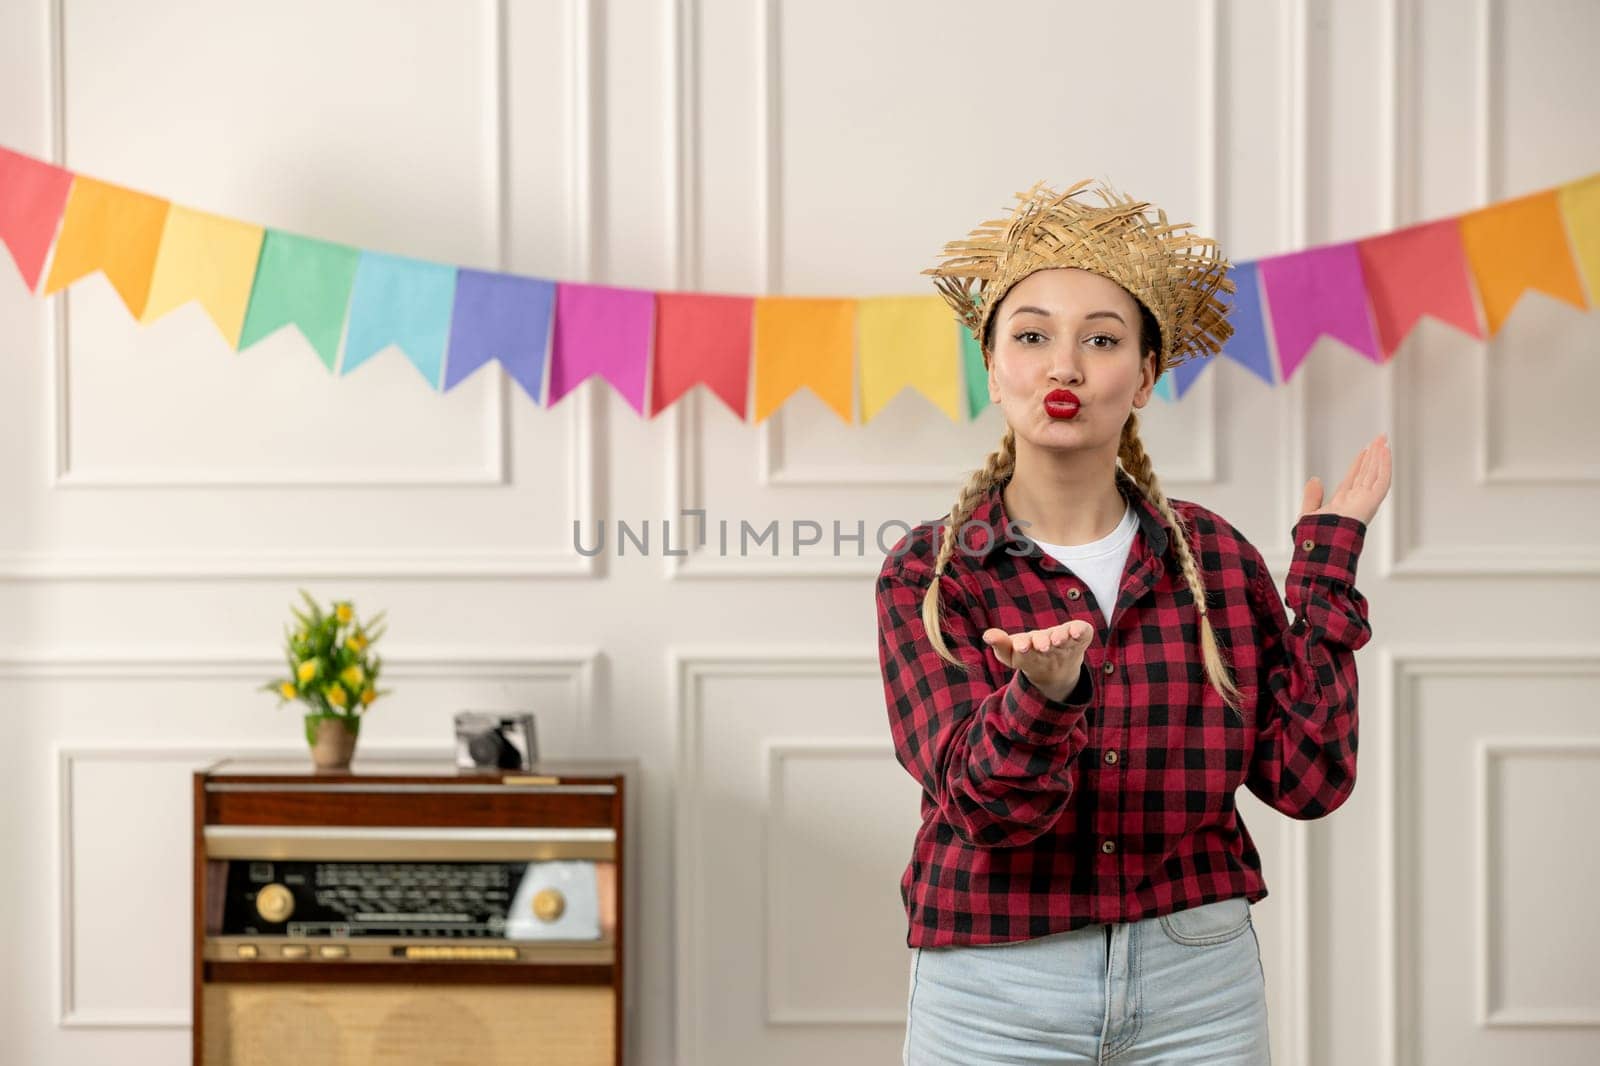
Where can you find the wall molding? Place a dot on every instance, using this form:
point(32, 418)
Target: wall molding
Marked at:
point(689, 669)
point(1400, 667)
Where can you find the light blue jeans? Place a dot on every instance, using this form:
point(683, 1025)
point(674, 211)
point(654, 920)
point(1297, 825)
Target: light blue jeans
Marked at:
point(1186, 987)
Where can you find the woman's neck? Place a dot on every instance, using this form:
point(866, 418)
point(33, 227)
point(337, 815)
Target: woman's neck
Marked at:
point(1064, 498)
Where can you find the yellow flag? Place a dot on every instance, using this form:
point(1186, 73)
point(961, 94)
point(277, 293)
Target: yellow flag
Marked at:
point(109, 228)
point(803, 340)
point(1518, 245)
point(908, 340)
point(206, 258)
point(1580, 203)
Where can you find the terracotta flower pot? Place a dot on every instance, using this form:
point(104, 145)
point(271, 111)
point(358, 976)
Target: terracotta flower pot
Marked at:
point(333, 739)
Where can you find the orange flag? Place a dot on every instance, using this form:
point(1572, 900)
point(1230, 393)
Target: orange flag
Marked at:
point(109, 228)
point(804, 341)
point(1518, 245)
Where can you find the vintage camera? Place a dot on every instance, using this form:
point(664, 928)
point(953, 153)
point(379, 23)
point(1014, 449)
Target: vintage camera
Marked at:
point(495, 740)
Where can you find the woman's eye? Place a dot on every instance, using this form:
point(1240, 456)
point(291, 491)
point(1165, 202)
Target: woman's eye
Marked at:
point(1112, 341)
point(1029, 333)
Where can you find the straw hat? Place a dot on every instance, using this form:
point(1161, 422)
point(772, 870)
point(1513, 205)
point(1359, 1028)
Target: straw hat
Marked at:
point(1175, 274)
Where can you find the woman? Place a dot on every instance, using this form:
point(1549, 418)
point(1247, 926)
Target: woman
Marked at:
point(1081, 701)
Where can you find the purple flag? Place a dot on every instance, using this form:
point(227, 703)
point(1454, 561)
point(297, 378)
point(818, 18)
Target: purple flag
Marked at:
point(1248, 345)
point(504, 317)
point(602, 330)
point(1317, 291)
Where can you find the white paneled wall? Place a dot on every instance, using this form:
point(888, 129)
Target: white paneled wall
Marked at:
point(164, 497)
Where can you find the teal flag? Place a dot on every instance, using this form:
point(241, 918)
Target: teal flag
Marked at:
point(404, 302)
point(301, 282)
point(976, 374)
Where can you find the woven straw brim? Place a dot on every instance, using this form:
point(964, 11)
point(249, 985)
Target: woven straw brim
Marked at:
point(1178, 275)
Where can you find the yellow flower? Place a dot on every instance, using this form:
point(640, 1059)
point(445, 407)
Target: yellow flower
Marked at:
point(352, 676)
point(357, 642)
point(307, 670)
point(337, 697)
point(288, 690)
point(368, 695)
point(343, 613)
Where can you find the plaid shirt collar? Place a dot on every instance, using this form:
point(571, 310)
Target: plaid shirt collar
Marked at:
point(996, 530)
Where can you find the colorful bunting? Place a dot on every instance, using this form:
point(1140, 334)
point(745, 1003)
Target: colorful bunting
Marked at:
point(908, 341)
point(113, 230)
point(1315, 292)
point(1519, 245)
point(502, 317)
point(601, 329)
point(804, 341)
point(32, 196)
point(1580, 206)
point(1248, 346)
point(702, 340)
point(209, 259)
point(1416, 271)
point(304, 283)
point(752, 352)
point(404, 302)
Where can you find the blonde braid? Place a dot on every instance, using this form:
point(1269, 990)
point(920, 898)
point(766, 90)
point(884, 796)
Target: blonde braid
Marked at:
point(997, 468)
point(1136, 461)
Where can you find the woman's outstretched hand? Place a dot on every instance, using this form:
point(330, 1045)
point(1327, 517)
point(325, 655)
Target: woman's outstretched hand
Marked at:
point(1362, 489)
point(1050, 657)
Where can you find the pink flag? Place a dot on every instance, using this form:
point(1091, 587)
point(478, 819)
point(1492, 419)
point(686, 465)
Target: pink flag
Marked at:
point(33, 195)
point(1420, 270)
point(1313, 292)
point(601, 330)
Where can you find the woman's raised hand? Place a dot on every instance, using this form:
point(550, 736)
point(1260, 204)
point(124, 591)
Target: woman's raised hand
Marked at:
point(1362, 489)
point(1050, 657)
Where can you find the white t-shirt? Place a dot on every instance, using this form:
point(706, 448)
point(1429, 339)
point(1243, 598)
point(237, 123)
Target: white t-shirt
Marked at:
point(1100, 563)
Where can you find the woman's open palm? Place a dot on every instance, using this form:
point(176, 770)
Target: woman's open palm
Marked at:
point(1362, 489)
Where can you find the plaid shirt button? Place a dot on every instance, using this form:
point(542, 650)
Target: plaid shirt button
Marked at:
point(1109, 666)
point(1073, 594)
point(1111, 756)
point(1308, 544)
point(1108, 846)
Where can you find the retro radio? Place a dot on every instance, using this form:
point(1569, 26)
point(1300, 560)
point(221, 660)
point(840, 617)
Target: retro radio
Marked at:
point(409, 913)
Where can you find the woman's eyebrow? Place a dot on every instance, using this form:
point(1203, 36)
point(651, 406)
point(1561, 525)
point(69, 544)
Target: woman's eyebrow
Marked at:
point(1041, 311)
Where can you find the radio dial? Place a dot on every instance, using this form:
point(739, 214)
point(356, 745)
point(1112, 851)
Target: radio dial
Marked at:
point(274, 902)
point(548, 903)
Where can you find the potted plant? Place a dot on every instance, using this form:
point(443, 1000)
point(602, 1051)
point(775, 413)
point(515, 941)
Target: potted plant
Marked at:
point(334, 672)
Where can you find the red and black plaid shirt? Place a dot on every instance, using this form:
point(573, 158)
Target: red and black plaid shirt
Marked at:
point(1117, 803)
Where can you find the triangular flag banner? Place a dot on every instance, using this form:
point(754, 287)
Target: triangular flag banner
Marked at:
point(502, 317)
point(1249, 346)
point(305, 283)
point(1519, 245)
point(908, 341)
point(1164, 388)
point(404, 302)
point(1420, 270)
point(206, 258)
point(32, 197)
point(1580, 206)
point(804, 341)
point(1314, 292)
point(605, 330)
point(1185, 374)
point(702, 340)
point(110, 229)
point(976, 374)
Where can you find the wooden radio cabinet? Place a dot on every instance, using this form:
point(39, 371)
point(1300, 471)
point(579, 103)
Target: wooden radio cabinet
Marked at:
point(406, 912)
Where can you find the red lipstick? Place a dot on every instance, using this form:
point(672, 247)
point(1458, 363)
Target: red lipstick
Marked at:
point(1061, 403)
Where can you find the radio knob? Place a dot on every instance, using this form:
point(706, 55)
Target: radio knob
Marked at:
point(274, 902)
point(548, 903)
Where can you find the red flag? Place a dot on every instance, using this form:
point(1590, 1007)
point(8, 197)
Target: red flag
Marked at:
point(702, 339)
point(33, 194)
